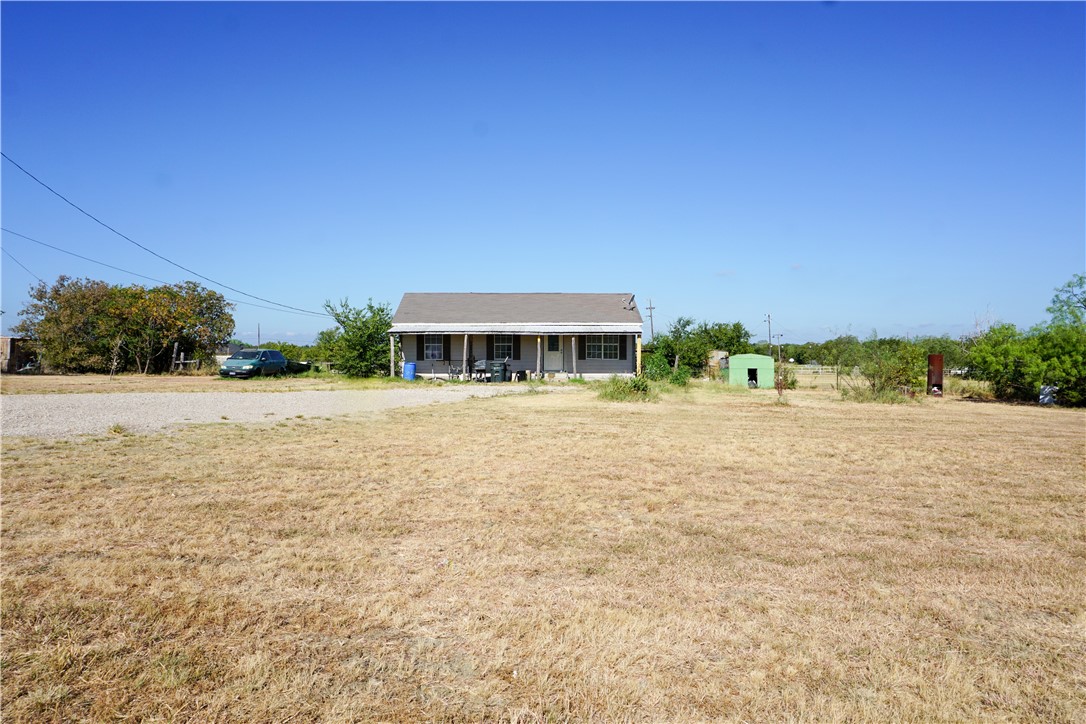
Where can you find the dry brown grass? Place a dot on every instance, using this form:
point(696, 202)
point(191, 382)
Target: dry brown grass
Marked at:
point(553, 557)
point(57, 384)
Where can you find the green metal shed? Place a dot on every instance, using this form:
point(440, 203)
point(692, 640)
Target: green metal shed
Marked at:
point(751, 370)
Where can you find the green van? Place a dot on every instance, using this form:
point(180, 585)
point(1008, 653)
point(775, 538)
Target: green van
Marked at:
point(249, 362)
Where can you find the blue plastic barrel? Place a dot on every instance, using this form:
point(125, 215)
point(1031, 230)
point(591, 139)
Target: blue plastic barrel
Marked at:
point(409, 370)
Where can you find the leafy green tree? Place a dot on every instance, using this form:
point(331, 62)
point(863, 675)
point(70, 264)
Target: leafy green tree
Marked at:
point(1062, 352)
point(1069, 303)
point(197, 319)
point(324, 348)
point(677, 345)
point(656, 366)
point(147, 325)
point(292, 351)
point(69, 324)
point(732, 338)
point(955, 351)
point(687, 345)
point(843, 351)
point(1005, 358)
point(1017, 364)
point(806, 353)
point(890, 365)
point(203, 320)
point(361, 349)
point(83, 325)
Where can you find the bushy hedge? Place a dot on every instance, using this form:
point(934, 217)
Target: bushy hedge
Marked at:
point(1016, 364)
point(626, 389)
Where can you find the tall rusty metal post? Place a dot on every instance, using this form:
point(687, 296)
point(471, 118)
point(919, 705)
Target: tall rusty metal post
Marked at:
point(935, 375)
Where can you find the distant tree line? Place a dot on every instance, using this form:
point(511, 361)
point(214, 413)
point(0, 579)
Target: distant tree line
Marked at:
point(84, 325)
point(1016, 363)
point(848, 350)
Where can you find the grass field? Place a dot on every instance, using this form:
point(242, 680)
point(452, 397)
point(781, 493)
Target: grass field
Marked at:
point(93, 383)
point(554, 557)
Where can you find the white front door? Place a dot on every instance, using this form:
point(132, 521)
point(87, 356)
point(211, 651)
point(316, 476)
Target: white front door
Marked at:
point(552, 353)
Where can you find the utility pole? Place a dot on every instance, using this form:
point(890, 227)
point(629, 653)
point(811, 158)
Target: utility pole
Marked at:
point(780, 372)
point(769, 340)
point(258, 334)
point(652, 332)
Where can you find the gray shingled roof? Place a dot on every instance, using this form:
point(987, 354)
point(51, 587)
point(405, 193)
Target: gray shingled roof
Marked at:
point(553, 313)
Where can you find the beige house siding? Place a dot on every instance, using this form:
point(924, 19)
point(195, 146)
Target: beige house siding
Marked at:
point(456, 353)
point(527, 360)
point(529, 317)
point(602, 366)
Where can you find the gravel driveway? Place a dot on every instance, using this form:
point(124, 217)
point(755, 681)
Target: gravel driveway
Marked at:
point(59, 416)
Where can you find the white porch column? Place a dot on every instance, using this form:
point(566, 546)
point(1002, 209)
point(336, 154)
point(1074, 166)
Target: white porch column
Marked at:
point(391, 356)
point(467, 372)
point(574, 337)
point(637, 371)
point(539, 355)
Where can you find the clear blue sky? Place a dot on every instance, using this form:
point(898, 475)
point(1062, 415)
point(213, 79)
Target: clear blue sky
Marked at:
point(909, 167)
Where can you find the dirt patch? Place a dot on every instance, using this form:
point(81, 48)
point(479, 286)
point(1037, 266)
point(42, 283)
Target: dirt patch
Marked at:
point(69, 415)
point(64, 384)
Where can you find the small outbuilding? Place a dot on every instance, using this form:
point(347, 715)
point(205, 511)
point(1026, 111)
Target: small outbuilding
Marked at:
point(749, 370)
point(718, 362)
point(15, 352)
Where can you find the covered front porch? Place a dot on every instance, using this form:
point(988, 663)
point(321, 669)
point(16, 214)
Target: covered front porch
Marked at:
point(545, 353)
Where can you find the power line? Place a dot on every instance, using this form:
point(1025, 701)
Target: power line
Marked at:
point(80, 256)
point(149, 251)
point(23, 266)
point(143, 276)
point(137, 274)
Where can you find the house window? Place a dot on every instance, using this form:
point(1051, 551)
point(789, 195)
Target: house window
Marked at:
point(503, 346)
point(601, 346)
point(554, 343)
point(432, 347)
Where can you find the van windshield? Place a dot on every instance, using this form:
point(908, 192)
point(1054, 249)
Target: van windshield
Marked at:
point(245, 354)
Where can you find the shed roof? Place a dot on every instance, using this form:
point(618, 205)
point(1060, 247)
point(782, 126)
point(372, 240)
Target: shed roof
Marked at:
point(551, 313)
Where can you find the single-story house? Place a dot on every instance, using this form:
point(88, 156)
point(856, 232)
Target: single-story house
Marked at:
point(749, 370)
point(581, 335)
